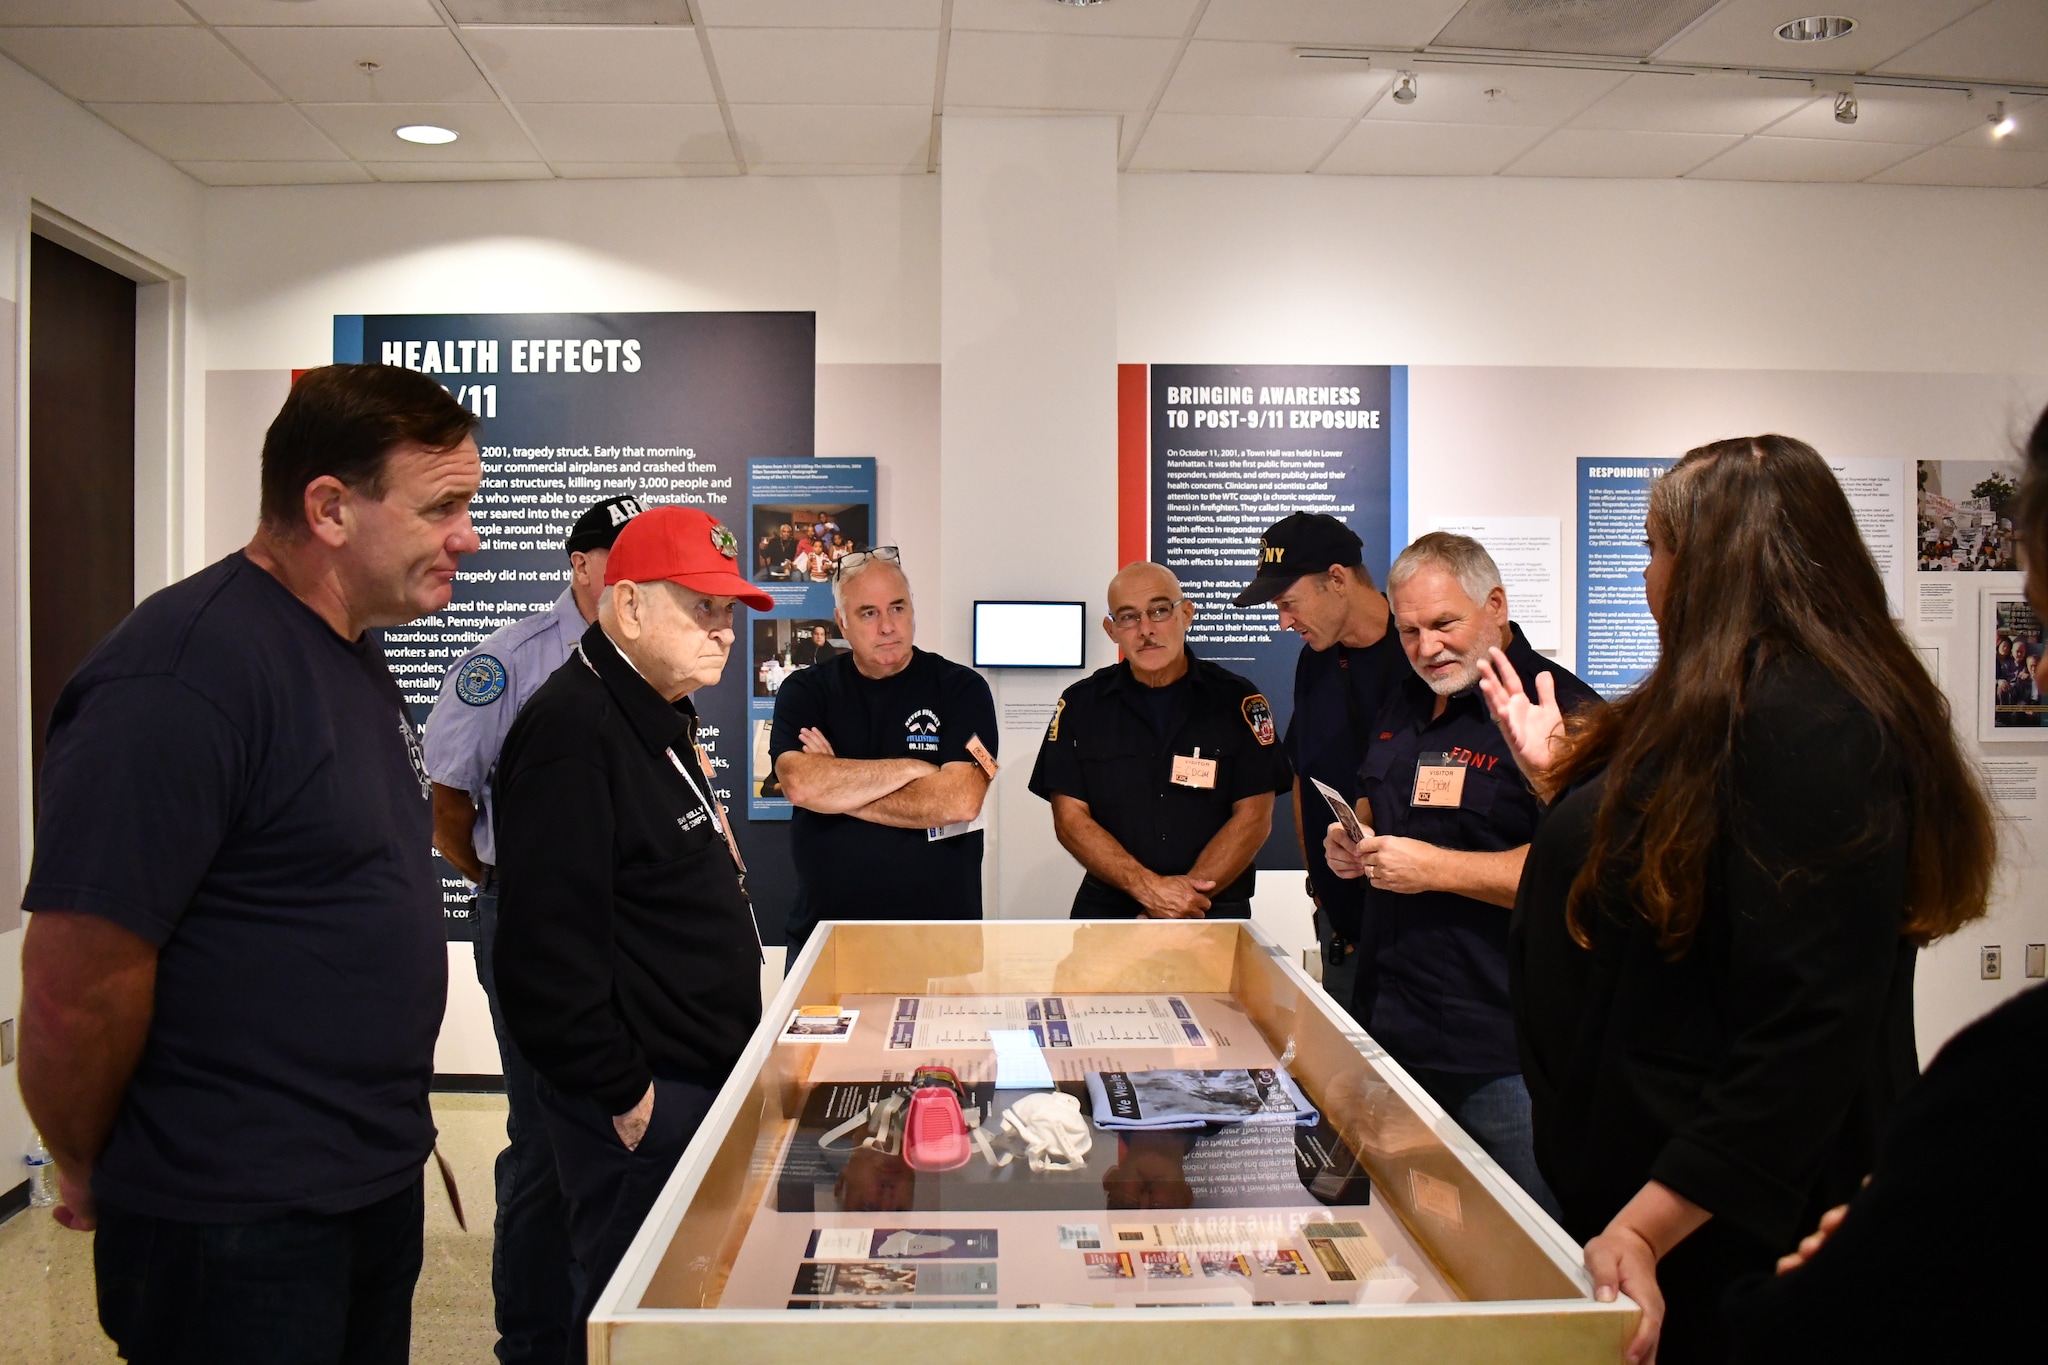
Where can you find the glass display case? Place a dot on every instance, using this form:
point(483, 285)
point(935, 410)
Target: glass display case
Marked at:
point(1093, 1138)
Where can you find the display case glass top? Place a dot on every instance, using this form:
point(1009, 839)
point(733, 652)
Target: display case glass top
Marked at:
point(1066, 1126)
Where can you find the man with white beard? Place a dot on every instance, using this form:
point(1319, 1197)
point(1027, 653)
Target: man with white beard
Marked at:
point(1448, 822)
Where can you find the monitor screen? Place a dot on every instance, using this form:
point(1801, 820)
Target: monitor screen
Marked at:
point(1029, 634)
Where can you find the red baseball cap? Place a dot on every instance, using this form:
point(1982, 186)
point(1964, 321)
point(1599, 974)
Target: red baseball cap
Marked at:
point(684, 545)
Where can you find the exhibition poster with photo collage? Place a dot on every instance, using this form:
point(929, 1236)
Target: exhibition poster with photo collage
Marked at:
point(577, 408)
point(1229, 450)
point(803, 517)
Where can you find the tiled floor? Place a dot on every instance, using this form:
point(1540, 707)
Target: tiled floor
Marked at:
point(46, 1294)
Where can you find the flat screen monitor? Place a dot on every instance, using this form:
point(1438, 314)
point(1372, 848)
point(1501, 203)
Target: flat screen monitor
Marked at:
point(1029, 634)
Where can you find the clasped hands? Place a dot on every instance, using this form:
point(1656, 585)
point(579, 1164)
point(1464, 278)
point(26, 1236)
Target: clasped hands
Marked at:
point(1388, 861)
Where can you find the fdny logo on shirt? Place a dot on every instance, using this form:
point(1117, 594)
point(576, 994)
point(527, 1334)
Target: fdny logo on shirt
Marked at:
point(1259, 716)
point(481, 681)
point(922, 731)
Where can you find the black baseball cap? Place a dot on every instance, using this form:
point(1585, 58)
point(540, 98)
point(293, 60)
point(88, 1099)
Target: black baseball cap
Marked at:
point(1296, 546)
point(599, 527)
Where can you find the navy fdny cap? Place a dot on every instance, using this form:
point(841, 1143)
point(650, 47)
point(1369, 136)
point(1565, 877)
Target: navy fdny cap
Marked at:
point(599, 527)
point(1296, 546)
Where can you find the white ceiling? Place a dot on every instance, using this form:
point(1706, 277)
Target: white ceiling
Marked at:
point(252, 92)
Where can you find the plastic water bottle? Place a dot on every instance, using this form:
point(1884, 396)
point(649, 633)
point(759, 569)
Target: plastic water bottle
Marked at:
point(42, 1172)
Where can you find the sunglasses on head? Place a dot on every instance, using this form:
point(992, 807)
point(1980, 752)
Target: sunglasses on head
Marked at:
point(888, 554)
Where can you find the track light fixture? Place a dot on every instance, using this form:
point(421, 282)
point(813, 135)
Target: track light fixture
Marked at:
point(1405, 88)
point(1845, 107)
point(2002, 124)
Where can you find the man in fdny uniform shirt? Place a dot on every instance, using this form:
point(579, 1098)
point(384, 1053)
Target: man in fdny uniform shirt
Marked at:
point(480, 697)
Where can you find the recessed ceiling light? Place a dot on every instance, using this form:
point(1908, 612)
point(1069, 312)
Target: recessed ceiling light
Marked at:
point(433, 135)
point(1817, 29)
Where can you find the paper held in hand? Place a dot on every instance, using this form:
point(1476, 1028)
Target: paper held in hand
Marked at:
point(1341, 808)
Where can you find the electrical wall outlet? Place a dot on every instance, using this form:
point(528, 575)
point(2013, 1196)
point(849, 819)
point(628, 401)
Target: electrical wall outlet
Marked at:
point(1990, 962)
point(2037, 959)
point(6, 1042)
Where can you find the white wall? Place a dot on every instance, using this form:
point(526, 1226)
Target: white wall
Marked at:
point(1332, 269)
point(55, 156)
point(1027, 449)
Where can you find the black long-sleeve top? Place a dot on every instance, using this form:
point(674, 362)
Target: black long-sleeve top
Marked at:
point(1942, 1254)
point(1751, 1074)
point(626, 947)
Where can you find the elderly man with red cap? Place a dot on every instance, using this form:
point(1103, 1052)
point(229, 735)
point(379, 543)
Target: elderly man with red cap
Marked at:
point(628, 960)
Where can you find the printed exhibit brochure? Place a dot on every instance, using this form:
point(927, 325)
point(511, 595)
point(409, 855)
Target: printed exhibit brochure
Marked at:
point(1140, 1100)
point(951, 1022)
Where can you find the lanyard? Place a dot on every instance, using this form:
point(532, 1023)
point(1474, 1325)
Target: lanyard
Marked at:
point(716, 811)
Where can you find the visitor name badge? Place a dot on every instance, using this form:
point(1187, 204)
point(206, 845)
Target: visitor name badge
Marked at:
point(1439, 781)
point(985, 760)
point(1194, 771)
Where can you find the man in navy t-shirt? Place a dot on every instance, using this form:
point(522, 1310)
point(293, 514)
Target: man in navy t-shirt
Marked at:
point(877, 750)
point(236, 968)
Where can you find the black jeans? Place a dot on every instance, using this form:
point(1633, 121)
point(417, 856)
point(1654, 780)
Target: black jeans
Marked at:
point(300, 1289)
point(530, 1269)
point(610, 1189)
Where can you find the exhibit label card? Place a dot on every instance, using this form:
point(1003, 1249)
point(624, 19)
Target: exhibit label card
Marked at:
point(1529, 553)
point(1618, 639)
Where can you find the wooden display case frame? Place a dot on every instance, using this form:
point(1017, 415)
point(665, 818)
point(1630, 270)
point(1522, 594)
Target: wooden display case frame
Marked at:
point(1526, 1296)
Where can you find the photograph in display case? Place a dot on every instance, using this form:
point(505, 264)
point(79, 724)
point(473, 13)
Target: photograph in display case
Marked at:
point(2012, 690)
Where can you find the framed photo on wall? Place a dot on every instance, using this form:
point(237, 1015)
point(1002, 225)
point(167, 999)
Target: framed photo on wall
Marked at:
point(2011, 703)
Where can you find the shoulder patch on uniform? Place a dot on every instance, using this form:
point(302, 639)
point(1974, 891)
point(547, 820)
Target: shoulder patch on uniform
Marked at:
point(1259, 716)
point(481, 680)
point(1052, 731)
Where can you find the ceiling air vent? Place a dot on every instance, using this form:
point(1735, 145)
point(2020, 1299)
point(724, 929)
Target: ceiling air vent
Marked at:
point(1604, 28)
point(635, 12)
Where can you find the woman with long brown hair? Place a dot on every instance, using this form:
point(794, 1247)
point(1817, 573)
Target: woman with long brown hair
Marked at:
point(1714, 941)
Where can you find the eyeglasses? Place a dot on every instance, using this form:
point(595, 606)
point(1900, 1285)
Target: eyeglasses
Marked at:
point(1157, 612)
point(853, 559)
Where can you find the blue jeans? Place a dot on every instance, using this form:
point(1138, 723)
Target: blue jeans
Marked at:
point(530, 1267)
point(1494, 1111)
point(298, 1289)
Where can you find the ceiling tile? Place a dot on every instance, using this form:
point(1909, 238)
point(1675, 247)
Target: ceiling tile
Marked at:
point(1268, 79)
point(487, 133)
point(637, 170)
point(1618, 155)
point(153, 65)
point(69, 12)
point(827, 66)
point(1125, 18)
point(595, 65)
point(629, 132)
point(1230, 142)
point(2007, 40)
point(675, 12)
point(414, 65)
point(292, 13)
point(1428, 149)
point(458, 170)
point(1055, 71)
point(1969, 166)
point(820, 13)
point(1694, 104)
point(221, 132)
point(1745, 33)
point(275, 172)
point(1521, 95)
point(1809, 159)
point(831, 135)
point(1340, 23)
point(1888, 114)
